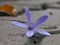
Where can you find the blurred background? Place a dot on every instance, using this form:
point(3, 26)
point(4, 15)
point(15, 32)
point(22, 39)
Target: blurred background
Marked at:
point(52, 24)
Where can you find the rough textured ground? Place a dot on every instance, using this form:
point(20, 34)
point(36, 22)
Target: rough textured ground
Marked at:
point(6, 29)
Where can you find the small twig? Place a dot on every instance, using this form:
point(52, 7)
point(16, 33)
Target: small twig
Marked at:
point(55, 32)
point(14, 20)
point(53, 7)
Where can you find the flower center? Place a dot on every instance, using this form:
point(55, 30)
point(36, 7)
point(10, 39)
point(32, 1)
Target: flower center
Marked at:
point(30, 28)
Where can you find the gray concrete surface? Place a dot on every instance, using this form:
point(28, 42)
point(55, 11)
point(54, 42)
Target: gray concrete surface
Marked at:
point(6, 28)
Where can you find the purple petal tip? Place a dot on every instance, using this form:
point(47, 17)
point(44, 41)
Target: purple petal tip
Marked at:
point(45, 16)
point(48, 34)
point(43, 32)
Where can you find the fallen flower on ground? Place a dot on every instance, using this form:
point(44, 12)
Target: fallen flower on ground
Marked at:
point(31, 27)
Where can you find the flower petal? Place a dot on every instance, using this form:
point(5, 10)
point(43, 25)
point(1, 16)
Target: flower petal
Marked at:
point(40, 21)
point(43, 32)
point(19, 24)
point(30, 33)
point(27, 12)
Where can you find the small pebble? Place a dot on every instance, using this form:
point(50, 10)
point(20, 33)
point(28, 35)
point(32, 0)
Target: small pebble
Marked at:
point(50, 13)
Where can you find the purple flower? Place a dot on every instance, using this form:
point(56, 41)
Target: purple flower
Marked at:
point(30, 26)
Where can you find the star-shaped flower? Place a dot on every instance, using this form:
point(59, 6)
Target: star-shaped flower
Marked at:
point(30, 26)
